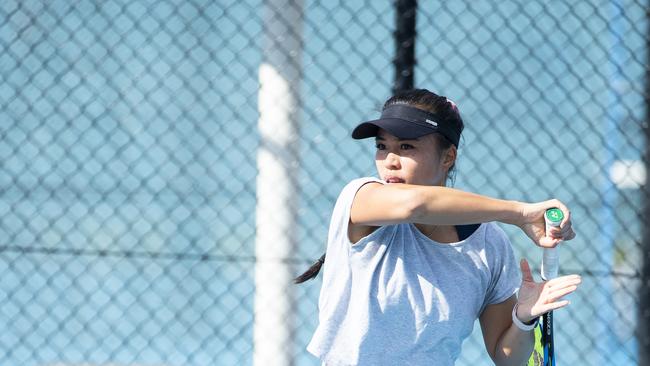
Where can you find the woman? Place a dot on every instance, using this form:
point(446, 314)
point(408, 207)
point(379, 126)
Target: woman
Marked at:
point(411, 264)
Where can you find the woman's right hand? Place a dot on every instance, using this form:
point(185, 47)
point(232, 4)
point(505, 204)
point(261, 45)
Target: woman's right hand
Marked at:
point(532, 223)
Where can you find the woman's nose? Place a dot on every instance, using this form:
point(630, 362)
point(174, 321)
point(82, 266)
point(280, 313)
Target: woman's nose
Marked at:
point(392, 161)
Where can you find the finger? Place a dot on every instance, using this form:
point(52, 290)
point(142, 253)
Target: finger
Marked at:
point(566, 212)
point(561, 235)
point(554, 306)
point(554, 232)
point(555, 295)
point(564, 232)
point(566, 228)
point(570, 235)
point(563, 281)
point(526, 274)
point(571, 277)
point(548, 242)
point(567, 233)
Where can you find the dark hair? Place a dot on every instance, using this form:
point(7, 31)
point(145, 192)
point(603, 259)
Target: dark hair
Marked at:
point(312, 271)
point(427, 101)
point(436, 104)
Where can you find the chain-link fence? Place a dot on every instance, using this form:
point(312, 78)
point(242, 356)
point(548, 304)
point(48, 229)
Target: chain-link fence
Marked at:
point(129, 158)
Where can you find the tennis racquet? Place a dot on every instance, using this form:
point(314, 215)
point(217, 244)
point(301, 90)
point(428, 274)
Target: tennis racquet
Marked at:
point(550, 266)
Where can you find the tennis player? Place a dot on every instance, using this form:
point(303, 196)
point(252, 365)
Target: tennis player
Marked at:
point(411, 264)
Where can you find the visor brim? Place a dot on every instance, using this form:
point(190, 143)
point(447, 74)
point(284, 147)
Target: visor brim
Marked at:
point(397, 127)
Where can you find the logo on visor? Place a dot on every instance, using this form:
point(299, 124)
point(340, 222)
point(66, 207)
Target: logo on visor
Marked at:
point(432, 123)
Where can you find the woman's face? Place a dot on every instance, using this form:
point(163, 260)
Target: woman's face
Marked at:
point(411, 161)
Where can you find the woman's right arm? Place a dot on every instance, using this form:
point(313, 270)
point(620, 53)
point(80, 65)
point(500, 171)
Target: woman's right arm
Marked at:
point(378, 204)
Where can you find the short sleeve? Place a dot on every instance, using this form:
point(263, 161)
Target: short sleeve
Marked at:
point(338, 230)
point(504, 271)
point(336, 290)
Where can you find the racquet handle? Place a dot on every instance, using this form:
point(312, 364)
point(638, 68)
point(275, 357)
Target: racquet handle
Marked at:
point(551, 259)
point(550, 264)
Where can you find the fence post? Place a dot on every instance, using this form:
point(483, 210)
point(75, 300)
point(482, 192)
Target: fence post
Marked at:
point(277, 181)
point(643, 323)
point(405, 13)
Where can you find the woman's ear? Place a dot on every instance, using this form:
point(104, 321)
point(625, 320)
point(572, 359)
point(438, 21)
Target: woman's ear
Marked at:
point(449, 157)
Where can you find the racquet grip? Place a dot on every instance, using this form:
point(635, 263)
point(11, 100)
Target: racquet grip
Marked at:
point(550, 264)
point(551, 259)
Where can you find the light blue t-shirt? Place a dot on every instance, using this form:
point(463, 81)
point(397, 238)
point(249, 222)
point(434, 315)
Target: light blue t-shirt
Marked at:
point(399, 298)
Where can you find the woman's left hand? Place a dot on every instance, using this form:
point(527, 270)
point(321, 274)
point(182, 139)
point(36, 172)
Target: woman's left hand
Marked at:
point(538, 298)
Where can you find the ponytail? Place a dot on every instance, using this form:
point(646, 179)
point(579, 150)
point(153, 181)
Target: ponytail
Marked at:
point(312, 272)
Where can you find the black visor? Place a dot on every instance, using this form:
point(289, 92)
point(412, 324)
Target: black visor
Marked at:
point(406, 122)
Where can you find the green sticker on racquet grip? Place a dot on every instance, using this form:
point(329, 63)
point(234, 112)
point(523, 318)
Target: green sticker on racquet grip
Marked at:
point(554, 215)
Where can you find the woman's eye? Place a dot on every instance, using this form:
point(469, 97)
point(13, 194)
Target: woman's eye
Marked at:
point(406, 147)
point(380, 146)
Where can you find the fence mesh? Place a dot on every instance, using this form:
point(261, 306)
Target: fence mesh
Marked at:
point(128, 139)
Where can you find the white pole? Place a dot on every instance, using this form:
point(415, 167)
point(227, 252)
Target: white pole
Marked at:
point(277, 164)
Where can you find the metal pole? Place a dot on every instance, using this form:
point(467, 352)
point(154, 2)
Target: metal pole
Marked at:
point(405, 12)
point(644, 303)
point(643, 323)
point(277, 187)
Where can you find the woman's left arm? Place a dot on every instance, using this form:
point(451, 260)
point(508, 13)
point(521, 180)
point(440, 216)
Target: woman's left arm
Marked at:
point(506, 343)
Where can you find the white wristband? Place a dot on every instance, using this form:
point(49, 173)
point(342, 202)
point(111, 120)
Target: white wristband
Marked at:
point(520, 324)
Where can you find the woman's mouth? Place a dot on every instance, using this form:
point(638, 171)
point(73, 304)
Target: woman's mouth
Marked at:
point(394, 180)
